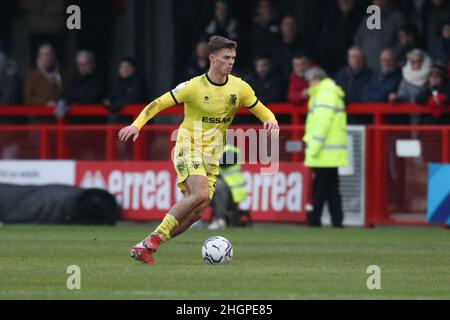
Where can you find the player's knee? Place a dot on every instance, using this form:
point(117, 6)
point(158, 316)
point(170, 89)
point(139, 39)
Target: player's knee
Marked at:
point(201, 198)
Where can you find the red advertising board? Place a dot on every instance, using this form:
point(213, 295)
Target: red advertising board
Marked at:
point(147, 189)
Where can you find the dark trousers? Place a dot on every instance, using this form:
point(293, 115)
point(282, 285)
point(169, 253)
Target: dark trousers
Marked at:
point(326, 189)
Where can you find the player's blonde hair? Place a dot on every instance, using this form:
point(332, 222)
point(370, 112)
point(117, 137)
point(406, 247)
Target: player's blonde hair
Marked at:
point(217, 43)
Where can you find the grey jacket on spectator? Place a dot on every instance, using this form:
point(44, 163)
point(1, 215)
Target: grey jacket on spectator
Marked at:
point(9, 81)
point(414, 80)
point(372, 42)
point(407, 92)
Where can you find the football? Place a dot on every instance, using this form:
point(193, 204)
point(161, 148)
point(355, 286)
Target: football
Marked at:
point(217, 250)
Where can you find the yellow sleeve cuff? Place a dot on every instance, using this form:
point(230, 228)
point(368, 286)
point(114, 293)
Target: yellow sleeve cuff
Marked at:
point(262, 112)
point(153, 108)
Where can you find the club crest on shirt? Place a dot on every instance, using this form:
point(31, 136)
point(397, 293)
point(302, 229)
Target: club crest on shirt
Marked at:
point(233, 99)
point(196, 164)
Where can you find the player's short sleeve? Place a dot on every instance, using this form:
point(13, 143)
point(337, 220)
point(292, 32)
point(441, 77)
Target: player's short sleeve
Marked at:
point(182, 92)
point(248, 97)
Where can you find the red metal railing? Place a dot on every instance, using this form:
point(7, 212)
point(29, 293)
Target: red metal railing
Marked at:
point(396, 187)
point(100, 142)
point(297, 112)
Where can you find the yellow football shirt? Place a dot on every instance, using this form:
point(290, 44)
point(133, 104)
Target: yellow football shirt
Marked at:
point(209, 109)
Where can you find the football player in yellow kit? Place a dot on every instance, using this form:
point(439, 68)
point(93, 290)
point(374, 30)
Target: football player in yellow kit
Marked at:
point(210, 103)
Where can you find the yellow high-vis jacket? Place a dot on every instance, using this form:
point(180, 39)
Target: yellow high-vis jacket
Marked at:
point(326, 126)
point(232, 175)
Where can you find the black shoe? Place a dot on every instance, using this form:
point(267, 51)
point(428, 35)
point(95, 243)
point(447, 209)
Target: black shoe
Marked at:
point(312, 220)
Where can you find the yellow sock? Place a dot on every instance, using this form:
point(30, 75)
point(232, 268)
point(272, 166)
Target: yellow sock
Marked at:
point(169, 222)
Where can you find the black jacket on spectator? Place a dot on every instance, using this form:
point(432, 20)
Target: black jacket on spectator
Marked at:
point(401, 52)
point(126, 91)
point(423, 96)
point(262, 38)
point(84, 89)
point(308, 14)
point(268, 89)
point(439, 114)
point(380, 86)
point(336, 37)
point(9, 81)
point(9, 89)
point(434, 16)
point(441, 50)
point(352, 84)
point(281, 55)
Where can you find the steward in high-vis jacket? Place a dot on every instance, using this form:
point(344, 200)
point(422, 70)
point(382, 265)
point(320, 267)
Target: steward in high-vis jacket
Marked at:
point(326, 144)
point(233, 176)
point(230, 188)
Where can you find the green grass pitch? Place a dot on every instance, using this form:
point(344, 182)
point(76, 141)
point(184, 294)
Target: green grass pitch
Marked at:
point(270, 262)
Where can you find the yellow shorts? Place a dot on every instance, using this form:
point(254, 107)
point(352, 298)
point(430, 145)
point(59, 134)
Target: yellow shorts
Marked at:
point(186, 166)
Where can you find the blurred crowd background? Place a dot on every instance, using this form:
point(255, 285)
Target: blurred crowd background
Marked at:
point(131, 51)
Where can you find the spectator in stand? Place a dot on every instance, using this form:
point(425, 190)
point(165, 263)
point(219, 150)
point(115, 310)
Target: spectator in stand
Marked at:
point(265, 30)
point(9, 94)
point(354, 76)
point(441, 48)
point(309, 15)
point(44, 84)
point(415, 74)
point(9, 81)
point(222, 24)
point(298, 85)
point(414, 11)
point(46, 23)
point(436, 96)
point(198, 63)
point(436, 12)
point(288, 44)
point(84, 87)
point(385, 81)
point(128, 87)
point(408, 39)
point(336, 37)
point(372, 42)
point(266, 81)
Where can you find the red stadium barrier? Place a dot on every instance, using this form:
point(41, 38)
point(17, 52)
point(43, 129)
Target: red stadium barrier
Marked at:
point(99, 142)
point(297, 112)
point(396, 188)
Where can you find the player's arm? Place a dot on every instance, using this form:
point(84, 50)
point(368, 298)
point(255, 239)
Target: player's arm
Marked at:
point(152, 109)
point(266, 117)
point(262, 112)
point(184, 92)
